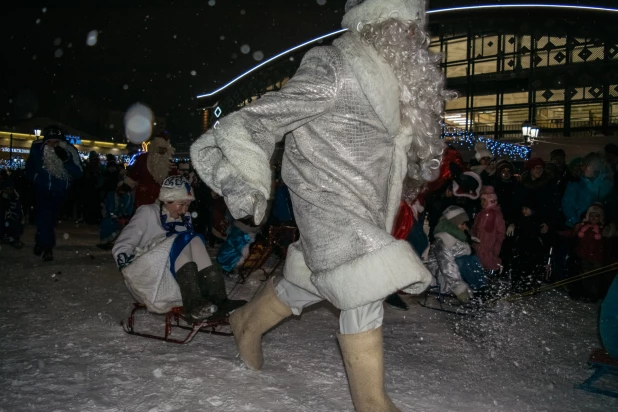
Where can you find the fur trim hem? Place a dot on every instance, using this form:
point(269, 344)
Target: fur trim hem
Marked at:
point(373, 276)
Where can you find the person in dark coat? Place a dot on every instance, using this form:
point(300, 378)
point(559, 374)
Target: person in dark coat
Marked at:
point(52, 165)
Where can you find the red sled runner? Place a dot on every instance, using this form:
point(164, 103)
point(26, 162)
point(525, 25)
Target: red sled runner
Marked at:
point(175, 320)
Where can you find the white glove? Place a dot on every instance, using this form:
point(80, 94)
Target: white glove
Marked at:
point(510, 231)
point(476, 239)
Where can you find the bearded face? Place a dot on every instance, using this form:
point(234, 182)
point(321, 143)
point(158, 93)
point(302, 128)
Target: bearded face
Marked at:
point(404, 45)
point(159, 165)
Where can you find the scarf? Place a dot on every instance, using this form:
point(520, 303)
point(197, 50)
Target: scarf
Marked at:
point(172, 227)
point(446, 226)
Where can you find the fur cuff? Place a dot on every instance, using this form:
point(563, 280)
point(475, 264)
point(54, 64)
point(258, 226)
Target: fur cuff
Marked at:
point(373, 276)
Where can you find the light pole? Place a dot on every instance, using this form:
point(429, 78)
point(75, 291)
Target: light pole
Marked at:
point(37, 133)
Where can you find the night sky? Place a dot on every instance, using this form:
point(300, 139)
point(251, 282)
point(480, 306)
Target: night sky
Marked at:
point(161, 53)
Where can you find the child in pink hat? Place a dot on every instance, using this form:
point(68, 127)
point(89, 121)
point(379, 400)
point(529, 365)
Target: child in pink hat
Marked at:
point(490, 229)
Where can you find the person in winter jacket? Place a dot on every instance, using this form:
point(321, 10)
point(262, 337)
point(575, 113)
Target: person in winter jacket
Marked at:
point(52, 166)
point(489, 228)
point(361, 114)
point(118, 208)
point(528, 248)
point(504, 182)
point(593, 186)
point(165, 263)
point(537, 187)
point(450, 260)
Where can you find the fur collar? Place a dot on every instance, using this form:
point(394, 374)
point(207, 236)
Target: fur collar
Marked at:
point(376, 78)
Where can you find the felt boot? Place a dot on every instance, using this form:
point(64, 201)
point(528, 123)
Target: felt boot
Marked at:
point(254, 319)
point(364, 364)
point(196, 308)
point(212, 287)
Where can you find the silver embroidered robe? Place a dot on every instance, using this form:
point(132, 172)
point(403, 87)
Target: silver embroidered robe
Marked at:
point(344, 163)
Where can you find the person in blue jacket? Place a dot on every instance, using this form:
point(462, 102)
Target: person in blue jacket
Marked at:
point(595, 186)
point(52, 166)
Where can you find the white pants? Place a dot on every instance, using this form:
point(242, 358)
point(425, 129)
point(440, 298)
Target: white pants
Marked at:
point(195, 251)
point(360, 319)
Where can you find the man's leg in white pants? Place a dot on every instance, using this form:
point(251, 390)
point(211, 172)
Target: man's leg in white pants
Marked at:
point(294, 297)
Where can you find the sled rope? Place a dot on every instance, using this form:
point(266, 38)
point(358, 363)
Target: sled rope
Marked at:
point(545, 288)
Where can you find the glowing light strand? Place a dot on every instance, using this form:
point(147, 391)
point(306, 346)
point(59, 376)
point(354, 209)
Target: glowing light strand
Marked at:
point(271, 59)
point(498, 149)
point(463, 8)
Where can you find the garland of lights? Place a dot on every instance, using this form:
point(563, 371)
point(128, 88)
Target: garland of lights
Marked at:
point(497, 149)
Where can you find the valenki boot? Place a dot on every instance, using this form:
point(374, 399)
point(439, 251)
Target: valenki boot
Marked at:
point(254, 319)
point(195, 307)
point(364, 363)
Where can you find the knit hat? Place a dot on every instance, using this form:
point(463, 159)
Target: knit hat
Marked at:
point(488, 193)
point(534, 162)
point(595, 208)
point(365, 11)
point(468, 184)
point(481, 151)
point(176, 188)
point(455, 215)
point(504, 164)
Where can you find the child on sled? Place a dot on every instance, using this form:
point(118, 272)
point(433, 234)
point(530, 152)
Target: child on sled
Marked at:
point(165, 263)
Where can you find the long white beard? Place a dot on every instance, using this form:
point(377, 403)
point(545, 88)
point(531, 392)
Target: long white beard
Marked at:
point(53, 164)
point(159, 166)
point(422, 94)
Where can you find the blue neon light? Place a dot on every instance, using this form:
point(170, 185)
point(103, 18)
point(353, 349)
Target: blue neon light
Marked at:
point(463, 8)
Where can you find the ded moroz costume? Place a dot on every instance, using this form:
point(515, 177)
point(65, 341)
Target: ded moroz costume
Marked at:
point(362, 115)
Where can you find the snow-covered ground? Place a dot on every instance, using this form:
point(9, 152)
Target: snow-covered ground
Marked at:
point(62, 349)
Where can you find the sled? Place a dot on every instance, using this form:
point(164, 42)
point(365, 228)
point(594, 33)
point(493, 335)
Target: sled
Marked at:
point(604, 366)
point(175, 320)
point(461, 310)
point(277, 243)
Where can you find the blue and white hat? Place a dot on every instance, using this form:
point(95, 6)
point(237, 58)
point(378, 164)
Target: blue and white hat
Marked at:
point(176, 188)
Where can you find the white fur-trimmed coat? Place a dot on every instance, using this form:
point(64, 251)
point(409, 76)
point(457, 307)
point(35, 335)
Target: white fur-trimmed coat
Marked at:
point(344, 163)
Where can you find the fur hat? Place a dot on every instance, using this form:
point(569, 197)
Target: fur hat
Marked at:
point(365, 11)
point(534, 162)
point(504, 164)
point(481, 151)
point(456, 215)
point(488, 193)
point(467, 184)
point(595, 208)
point(176, 188)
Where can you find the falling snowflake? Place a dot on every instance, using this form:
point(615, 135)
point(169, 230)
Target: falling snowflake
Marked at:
point(243, 12)
point(258, 56)
point(57, 41)
point(44, 9)
point(38, 21)
point(58, 53)
point(194, 215)
point(245, 49)
point(65, 236)
point(92, 38)
point(222, 37)
point(193, 72)
point(125, 87)
point(211, 3)
point(321, 2)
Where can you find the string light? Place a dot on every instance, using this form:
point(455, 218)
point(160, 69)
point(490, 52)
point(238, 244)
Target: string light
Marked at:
point(467, 139)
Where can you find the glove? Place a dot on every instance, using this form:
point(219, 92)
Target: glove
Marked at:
point(61, 153)
point(510, 231)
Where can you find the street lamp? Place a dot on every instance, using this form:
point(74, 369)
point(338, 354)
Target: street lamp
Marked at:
point(530, 132)
point(37, 133)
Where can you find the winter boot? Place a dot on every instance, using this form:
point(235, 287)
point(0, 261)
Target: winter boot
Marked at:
point(195, 307)
point(364, 363)
point(395, 302)
point(48, 255)
point(212, 288)
point(251, 321)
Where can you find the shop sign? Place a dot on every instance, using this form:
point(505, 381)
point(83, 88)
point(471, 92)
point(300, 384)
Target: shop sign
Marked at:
point(15, 150)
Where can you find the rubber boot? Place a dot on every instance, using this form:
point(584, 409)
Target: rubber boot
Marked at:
point(195, 307)
point(212, 288)
point(254, 319)
point(364, 363)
